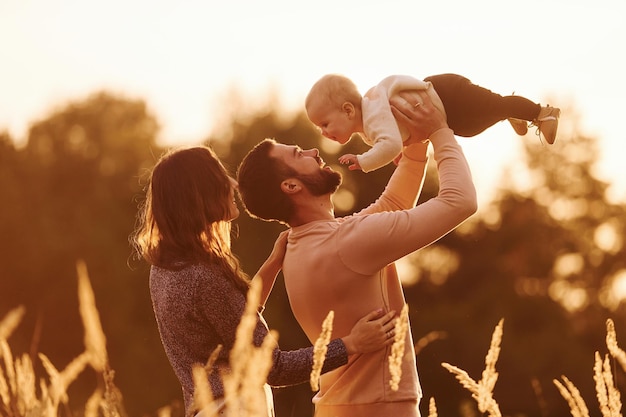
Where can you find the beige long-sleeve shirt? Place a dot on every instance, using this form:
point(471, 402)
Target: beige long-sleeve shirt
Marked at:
point(346, 265)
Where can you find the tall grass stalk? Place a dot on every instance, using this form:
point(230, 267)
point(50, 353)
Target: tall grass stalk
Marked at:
point(25, 395)
point(571, 394)
point(319, 350)
point(432, 408)
point(249, 366)
point(482, 391)
point(10, 322)
point(397, 348)
point(203, 395)
point(607, 393)
point(611, 344)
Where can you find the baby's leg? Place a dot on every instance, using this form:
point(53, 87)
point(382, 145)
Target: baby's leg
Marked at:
point(471, 108)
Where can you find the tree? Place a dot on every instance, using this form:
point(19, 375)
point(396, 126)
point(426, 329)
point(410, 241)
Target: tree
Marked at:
point(74, 189)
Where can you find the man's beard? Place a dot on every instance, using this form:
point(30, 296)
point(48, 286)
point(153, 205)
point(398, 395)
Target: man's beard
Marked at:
point(325, 182)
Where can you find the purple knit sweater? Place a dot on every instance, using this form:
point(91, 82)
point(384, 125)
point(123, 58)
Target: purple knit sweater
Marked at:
point(198, 308)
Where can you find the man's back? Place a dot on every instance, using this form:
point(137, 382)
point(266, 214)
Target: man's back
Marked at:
point(318, 280)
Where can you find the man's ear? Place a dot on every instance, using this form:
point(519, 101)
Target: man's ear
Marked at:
point(291, 186)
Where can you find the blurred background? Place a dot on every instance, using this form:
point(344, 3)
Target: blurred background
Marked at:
point(92, 93)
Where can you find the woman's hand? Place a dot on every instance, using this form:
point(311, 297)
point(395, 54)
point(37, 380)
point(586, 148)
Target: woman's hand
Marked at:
point(372, 332)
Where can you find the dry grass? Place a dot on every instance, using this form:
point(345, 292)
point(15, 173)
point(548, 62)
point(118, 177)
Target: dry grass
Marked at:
point(571, 394)
point(23, 394)
point(432, 408)
point(482, 391)
point(319, 350)
point(608, 396)
point(397, 348)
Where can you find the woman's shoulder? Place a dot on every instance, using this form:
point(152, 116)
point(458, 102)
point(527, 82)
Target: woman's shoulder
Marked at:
point(191, 274)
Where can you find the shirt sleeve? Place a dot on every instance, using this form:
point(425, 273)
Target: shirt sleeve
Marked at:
point(406, 182)
point(398, 233)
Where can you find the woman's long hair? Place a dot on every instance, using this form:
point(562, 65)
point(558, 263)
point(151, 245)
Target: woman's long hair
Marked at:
point(185, 217)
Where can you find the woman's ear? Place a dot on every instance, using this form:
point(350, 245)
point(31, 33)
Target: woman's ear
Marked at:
point(290, 186)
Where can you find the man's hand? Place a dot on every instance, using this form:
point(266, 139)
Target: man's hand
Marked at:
point(415, 111)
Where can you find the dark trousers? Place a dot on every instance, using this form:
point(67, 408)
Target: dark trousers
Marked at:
point(471, 108)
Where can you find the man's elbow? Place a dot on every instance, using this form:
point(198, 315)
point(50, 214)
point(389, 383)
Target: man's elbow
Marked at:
point(469, 203)
point(465, 203)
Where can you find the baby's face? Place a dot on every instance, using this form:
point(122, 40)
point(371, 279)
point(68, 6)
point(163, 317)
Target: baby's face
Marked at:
point(334, 123)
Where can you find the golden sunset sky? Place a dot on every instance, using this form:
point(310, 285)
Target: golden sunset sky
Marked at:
point(184, 57)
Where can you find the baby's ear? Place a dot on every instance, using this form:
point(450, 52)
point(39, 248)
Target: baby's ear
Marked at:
point(348, 108)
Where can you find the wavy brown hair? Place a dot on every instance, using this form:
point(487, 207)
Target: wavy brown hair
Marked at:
point(184, 218)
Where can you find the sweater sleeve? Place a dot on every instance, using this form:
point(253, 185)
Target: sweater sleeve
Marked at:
point(399, 233)
point(223, 306)
point(294, 367)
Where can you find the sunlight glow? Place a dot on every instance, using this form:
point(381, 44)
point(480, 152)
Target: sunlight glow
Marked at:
point(607, 238)
point(614, 292)
point(407, 271)
point(530, 287)
point(435, 262)
point(568, 264)
point(567, 209)
point(572, 298)
point(343, 200)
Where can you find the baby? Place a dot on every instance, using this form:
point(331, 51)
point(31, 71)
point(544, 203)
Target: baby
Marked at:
point(335, 105)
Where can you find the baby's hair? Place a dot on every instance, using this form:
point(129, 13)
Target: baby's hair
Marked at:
point(335, 89)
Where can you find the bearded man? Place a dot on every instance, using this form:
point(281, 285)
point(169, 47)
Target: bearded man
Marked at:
point(346, 264)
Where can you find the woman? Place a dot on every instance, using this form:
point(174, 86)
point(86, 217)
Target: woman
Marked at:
point(197, 287)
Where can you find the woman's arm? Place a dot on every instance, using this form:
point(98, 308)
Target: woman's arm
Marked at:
point(372, 332)
point(268, 272)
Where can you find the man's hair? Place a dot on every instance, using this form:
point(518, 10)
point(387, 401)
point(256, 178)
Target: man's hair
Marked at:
point(259, 176)
point(335, 89)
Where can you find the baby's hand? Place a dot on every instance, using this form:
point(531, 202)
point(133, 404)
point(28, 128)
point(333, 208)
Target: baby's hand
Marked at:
point(350, 160)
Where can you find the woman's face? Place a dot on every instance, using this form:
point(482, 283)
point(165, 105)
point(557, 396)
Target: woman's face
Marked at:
point(234, 210)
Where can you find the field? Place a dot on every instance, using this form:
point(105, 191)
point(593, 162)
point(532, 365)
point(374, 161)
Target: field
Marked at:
point(25, 394)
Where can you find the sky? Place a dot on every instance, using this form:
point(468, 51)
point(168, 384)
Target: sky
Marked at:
point(184, 58)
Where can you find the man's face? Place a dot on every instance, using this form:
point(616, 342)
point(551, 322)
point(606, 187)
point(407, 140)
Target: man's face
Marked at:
point(319, 178)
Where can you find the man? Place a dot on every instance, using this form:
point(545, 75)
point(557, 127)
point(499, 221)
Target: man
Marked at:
point(346, 264)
